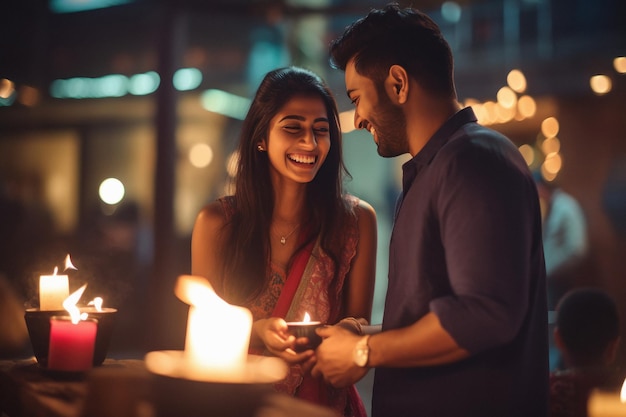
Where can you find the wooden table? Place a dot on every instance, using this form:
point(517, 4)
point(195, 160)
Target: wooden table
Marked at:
point(118, 388)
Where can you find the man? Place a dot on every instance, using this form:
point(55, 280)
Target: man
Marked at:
point(465, 323)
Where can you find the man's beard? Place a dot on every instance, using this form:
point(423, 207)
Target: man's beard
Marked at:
point(390, 125)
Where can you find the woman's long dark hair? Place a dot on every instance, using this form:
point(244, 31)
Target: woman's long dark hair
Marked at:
point(246, 252)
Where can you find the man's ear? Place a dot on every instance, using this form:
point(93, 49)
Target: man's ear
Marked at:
point(397, 84)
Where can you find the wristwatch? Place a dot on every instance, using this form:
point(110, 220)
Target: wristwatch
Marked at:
point(361, 352)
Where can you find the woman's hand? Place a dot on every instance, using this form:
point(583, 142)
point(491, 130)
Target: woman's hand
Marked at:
point(273, 333)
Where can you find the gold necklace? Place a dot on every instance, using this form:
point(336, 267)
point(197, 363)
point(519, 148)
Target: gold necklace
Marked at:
point(283, 238)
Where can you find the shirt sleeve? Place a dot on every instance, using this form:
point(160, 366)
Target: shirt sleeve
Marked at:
point(486, 206)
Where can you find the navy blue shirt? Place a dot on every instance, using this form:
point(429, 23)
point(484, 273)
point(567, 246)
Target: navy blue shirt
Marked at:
point(466, 245)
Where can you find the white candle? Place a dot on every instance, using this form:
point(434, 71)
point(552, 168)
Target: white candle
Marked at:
point(607, 404)
point(53, 289)
point(218, 334)
point(217, 339)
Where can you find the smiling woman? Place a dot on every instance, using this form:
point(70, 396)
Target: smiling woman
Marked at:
point(300, 140)
point(289, 241)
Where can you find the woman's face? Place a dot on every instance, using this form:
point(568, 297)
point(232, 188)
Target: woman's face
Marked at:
point(298, 139)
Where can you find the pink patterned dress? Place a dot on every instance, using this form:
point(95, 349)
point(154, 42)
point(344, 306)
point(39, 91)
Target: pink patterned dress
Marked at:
point(318, 296)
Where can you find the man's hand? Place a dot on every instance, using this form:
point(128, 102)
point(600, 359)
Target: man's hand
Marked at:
point(335, 357)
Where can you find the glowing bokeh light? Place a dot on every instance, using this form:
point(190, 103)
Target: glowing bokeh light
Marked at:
point(526, 106)
point(28, 96)
point(111, 191)
point(200, 155)
point(600, 84)
point(451, 11)
point(504, 114)
point(528, 152)
point(7, 92)
point(507, 98)
point(186, 79)
point(490, 112)
point(7, 87)
point(144, 84)
point(227, 104)
point(551, 145)
point(550, 127)
point(516, 80)
point(548, 176)
point(113, 85)
point(619, 64)
point(553, 163)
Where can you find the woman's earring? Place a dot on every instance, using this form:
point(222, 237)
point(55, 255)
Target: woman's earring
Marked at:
point(260, 148)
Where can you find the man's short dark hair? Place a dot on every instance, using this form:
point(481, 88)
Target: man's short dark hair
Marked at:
point(395, 36)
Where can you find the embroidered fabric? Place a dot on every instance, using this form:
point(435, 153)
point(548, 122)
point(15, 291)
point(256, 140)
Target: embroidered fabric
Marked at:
point(316, 295)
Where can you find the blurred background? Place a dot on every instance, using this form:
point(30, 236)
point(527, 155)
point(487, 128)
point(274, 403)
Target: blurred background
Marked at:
point(119, 118)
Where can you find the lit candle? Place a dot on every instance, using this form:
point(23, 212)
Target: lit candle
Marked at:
point(71, 345)
point(53, 290)
point(72, 339)
point(216, 344)
point(305, 328)
point(218, 334)
point(607, 404)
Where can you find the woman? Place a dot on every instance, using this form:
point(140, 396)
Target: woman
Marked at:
point(289, 242)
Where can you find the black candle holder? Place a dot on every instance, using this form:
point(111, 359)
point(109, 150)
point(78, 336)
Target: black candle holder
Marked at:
point(305, 329)
point(38, 325)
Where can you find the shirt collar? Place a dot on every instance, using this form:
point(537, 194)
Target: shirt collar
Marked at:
point(411, 168)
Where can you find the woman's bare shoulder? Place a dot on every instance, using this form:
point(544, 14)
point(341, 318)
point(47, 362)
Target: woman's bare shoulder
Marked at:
point(211, 216)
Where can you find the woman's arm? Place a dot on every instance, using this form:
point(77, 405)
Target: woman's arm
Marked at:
point(359, 291)
point(206, 243)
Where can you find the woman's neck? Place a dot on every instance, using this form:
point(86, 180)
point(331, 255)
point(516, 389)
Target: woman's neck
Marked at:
point(289, 205)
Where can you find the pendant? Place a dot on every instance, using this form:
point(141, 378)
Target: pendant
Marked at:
point(283, 240)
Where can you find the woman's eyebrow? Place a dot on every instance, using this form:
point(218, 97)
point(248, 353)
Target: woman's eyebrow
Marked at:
point(302, 118)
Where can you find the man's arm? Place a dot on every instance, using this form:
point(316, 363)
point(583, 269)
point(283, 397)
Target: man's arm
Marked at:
point(423, 343)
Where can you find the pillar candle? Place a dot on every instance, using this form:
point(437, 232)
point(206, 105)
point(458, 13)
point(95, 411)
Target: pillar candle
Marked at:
point(606, 404)
point(53, 290)
point(71, 345)
point(218, 333)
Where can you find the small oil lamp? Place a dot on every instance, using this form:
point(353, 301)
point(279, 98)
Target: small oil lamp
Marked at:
point(305, 328)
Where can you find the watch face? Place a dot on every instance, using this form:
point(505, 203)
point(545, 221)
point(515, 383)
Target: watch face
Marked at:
point(361, 353)
point(360, 356)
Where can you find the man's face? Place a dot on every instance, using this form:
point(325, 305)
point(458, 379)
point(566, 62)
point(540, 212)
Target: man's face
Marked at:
point(375, 112)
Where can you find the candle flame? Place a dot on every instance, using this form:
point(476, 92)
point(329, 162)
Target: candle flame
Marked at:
point(55, 270)
point(70, 305)
point(622, 395)
point(96, 302)
point(68, 263)
point(218, 334)
point(307, 318)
